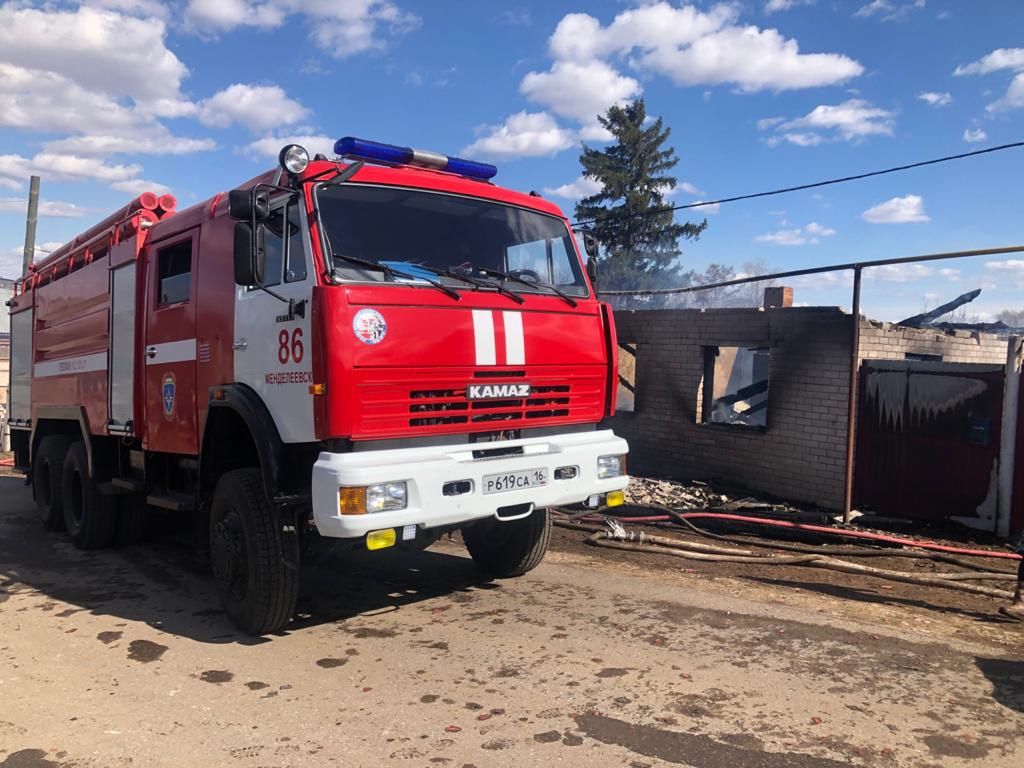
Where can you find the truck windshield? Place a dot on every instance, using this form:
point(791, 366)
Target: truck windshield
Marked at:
point(405, 228)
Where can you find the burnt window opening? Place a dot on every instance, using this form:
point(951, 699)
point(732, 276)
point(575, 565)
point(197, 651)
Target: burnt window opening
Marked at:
point(174, 273)
point(922, 357)
point(736, 386)
point(625, 398)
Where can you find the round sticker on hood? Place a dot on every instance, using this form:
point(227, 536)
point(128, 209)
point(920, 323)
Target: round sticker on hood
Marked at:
point(369, 326)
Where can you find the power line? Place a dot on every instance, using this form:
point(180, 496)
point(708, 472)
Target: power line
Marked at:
point(667, 209)
point(820, 270)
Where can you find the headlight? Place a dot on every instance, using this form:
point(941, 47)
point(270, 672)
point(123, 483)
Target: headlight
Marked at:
point(385, 497)
point(293, 158)
point(611, 466)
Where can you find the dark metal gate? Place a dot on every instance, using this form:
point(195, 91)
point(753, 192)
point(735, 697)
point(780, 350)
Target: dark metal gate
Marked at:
point(1017, 500)
point(928, 440)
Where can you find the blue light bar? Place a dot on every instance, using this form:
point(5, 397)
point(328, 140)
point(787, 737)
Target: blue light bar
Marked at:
point(374, 151)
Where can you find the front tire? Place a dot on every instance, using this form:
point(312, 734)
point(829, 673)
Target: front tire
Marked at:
point(47, 469)
point(255, 561)
point(90, 517)
point(507, 549)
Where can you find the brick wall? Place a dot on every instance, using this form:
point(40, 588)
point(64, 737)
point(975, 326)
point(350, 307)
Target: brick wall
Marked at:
point(800, 454)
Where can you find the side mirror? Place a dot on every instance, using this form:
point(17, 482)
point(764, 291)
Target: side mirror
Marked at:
point(592, 270)
point(250, 254)
point(243, 204)
point(590, 244)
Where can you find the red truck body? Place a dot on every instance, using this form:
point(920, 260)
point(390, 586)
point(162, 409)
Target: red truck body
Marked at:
point(136, 341)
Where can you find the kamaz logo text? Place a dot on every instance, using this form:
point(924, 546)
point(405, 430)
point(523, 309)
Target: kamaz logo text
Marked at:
point(496, 391)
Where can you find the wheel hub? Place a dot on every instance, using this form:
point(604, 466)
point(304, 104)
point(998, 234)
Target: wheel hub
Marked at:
point(230, 563)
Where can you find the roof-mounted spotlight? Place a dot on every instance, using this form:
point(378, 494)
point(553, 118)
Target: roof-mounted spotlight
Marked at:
point(293, 159)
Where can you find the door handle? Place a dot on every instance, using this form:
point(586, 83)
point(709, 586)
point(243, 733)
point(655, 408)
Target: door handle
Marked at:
point(151, 352)
point(240, 344)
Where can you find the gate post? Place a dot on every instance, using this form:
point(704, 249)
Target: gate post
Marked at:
point(1008, 436)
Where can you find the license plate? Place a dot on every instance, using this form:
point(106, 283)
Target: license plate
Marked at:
point(515, 481)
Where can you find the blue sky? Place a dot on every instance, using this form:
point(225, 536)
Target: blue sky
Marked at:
point(105, 98)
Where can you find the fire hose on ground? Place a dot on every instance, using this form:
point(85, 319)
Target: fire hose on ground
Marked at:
point(616, 537)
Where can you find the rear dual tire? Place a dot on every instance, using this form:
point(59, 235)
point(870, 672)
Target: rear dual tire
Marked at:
point(47, 471)
point(89, 517)
point(505, 549)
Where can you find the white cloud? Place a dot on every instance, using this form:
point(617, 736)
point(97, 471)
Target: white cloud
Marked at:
point(160, 142)
point(852, 120)
point(773, 6)
point(898, 210)
point(1014, 98)
point(683, 186)
point(974, 135)
point(62, 167)
point(100, 50)
point(136, 187)
point(953, 275)
point(100, 77)
point(524, 134)
point(695, 47)
point(752, 59)
point(810, 234)
point(580, 91)
point(1000, 59)
point(225, 15)
point(258, 107)
point(889, 10)
point(52, 208)
point(144, 8)
point(343, 28)
point(270, 146)
point(575, 190)
point(708, 209)
point(1007, 265)
point(898, 273)
point(936, 99)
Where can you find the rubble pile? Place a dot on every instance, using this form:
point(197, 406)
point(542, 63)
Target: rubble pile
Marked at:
point(668, 493)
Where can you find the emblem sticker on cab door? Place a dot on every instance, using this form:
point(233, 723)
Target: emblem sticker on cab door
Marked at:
point(369, 326)
point(167, 392)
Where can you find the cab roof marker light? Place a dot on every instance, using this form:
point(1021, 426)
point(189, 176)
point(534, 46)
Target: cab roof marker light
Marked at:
point(349, 146)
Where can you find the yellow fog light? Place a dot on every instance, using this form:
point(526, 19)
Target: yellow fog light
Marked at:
point(380, 539)
point(615, 499)
point(352, 501)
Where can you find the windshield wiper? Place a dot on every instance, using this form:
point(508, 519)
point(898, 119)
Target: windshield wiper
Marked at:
point(473, 281)
point(532, 283)
point(394, 274)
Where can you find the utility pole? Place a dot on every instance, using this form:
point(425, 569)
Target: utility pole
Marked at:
point(30, 225)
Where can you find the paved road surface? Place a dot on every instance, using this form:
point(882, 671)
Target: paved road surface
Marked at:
point(122, 657)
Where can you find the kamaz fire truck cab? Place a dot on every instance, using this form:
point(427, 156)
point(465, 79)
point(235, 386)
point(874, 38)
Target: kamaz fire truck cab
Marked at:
point(380, 349)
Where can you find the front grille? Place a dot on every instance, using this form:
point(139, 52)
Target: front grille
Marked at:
point(391, 402)
point(539, 405)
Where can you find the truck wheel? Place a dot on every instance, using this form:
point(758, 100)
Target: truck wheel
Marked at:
point(47, 466)
point(90, 517)
point(505, 549)
point(255, 562)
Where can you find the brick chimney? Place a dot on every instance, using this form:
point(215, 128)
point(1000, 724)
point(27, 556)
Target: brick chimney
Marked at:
point(778, 297)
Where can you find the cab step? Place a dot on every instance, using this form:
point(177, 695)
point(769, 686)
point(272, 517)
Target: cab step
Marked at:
point(175, 502)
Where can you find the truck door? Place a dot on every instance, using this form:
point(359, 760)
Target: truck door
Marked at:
point(272, 347)
point(170, 349)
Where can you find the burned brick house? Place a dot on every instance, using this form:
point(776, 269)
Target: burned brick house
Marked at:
point(759, 399)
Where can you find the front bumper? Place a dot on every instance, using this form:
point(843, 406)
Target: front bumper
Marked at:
point(427, 469)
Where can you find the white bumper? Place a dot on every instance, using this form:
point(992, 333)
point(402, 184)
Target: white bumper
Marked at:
point(427, 469)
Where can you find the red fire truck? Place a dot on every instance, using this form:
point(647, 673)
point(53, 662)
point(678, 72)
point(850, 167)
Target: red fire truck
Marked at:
point(378, 348)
